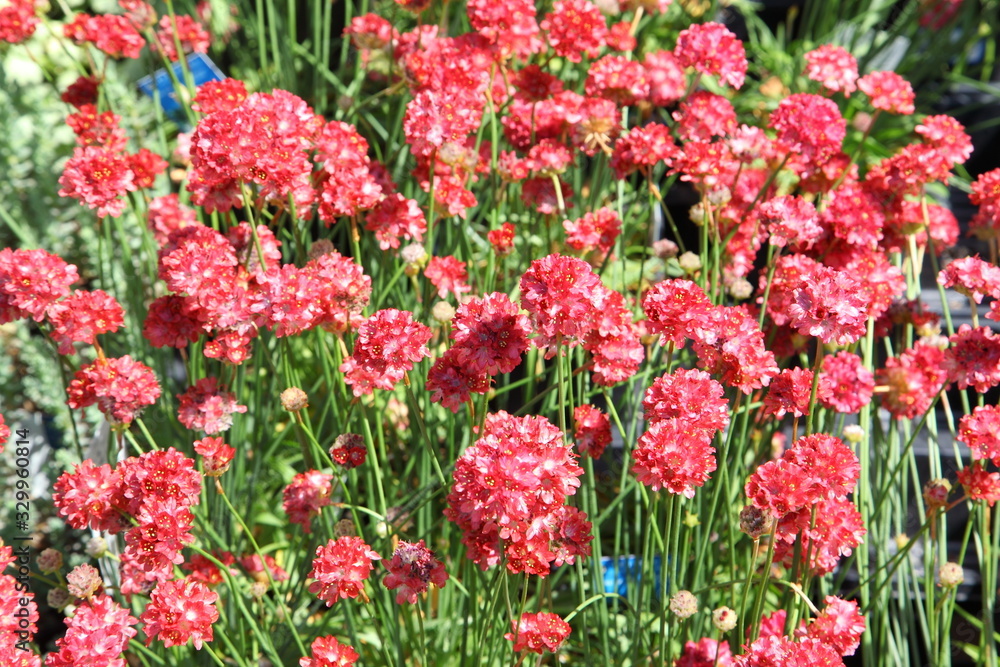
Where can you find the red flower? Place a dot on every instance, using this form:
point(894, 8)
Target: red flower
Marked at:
point(98, 178)
point(690, 396)
point(111, 33)
point(831, 530)
point(224, 95)
point(388, 344)
point(558, 293)
point(490, 334)
point(986, 194)
point(218, 455)
point(96, 635)
point(172, 321)
point(730, 343)
point(845, 385)
point(411, 570)
point(981, 432)
point(789, 392)
point(947, 136)
point(643, 147)
point(167, 214)
point(538, 633)
point(30, 282)
point(979, 484)
point(396, 218)
point(452, 380)
point(973, 359)
point(343, 291)
point(809, 125)
point(712, 49)
point(4, 436)
point(703, 116)
point(592, 431)
point(81, 316)
point(888, 92)
point(972, 277)
point(18, 21)
point(507, 485)
point(510, 27)
point(145, 166)
point(833, 67)
point(86, 497)
point(706, 653)
point(618, 79)
point(328, 652)
point(98, 130)
point(307, 494)
point(448, 275)
point(121, 388)
point(155, 477)
point(840, 625)
point(180, 610)
point(778, 650)
point(914, 378)
point(674, 455)
point(829, 305)
point(596, 230)
point(204, 407)
point(81, 92)
point(575, 29)
point(502, 239)
point(187, 32)
point(340, 569)
point(667, 81)
point(672, 307)
point(790, 221)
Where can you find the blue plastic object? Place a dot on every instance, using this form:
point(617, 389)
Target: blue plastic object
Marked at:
point(202, 70)
point(623, 571)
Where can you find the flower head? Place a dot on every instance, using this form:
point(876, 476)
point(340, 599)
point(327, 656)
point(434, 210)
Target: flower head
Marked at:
point(412, 569)
point(538, 633)
point(180, 610)
point(340, 569)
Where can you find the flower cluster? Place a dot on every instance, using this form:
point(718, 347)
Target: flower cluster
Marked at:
point(509, 496)
point(148, 498)
point(806, 491)
point(340, 568)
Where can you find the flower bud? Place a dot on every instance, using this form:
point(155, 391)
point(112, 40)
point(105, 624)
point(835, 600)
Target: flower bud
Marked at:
point(58, 598)
point(853, 433)
point(50, 561)
point(684, 604)
point(950, 575)
point(936, 492)
point(294, 399)
point(665, 249)
point(690, 262)
point(96, 547)
point(83, 581)
point(724, 619)
point(755, 522)
point(443, 312)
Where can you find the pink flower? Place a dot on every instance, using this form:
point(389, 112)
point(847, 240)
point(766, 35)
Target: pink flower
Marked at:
point(411, 570)
point(121, 388)
point(98, 178)
point(340, 569)
point(712, 49)
point(490, 334)
point(538, 633)
point(592, 431)
point(575, 29)
point(448, 275)
point(328, 652)
point(840, 625)
point(30, 282)
point(180, 610)
point(205, 407)
point(81, 316)
point(829, 306)
point(981, 432)
point(979, 484)
point(833, 67)
point(217, 455)
point(674, 455)
point(96, 635)
point(888, 92)
point(305, 496)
